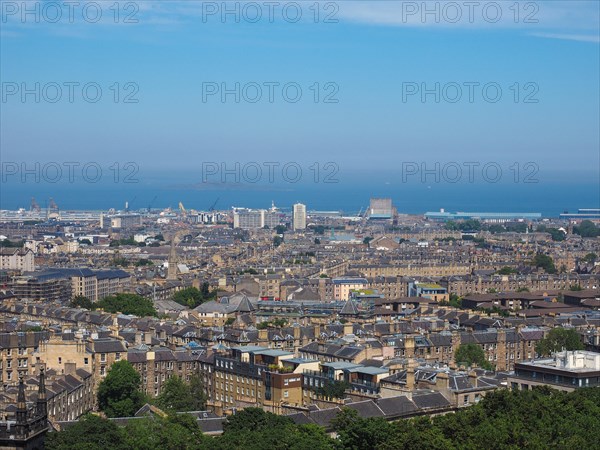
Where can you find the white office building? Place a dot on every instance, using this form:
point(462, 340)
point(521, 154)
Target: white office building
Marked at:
point(299, 216)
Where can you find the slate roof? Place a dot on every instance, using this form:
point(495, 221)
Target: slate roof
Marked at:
point(396, 406)
point(430, 400)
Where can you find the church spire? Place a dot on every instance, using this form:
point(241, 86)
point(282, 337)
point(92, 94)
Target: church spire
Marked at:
point(21, 403)
point(42, 408)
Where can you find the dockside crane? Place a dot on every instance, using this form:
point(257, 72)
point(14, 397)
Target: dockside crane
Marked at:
point(34, 205)
point(212, 208)
point(152, 203)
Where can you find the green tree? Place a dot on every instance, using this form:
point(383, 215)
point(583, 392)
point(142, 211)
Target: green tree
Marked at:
point(10, 244)
point(175, 432)
point(559, 339)
point(318, 229)
point(144, 262)
point(177, 395)
point(556, 234)
point(119, 394)
point(190, 297)
point(82, 302)
point(455, 300)
point(587, 229)
point(88, 433)
point(127, 304)
point(360, 434)
point(590, 257)
point(197, 393)
point(274, 323)
point(506, 270)
point(255, 429)
point(277, 241)
point(333, 389)
point(254, 419)
point(280, 229)
point(469, 354)
point(545, 262)
point(494, 229)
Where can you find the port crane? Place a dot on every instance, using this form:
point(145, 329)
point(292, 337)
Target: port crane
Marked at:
point(152, 203)
point(212, 207)
point(34, 205)
point(182, 209)
point(129, 203)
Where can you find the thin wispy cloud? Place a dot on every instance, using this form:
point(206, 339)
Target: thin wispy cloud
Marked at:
point(572, 20)
point(569, 37)
point(532, 15)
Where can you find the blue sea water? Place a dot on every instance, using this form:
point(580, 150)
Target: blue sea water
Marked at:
point(348, 195)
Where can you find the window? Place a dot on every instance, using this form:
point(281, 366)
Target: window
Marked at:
point(102, 357)
point(86, 361)
point(117, 356)
point(286, 394)
point(59, 360)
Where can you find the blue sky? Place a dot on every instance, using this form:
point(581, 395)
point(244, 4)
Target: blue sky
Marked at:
point(368, 54)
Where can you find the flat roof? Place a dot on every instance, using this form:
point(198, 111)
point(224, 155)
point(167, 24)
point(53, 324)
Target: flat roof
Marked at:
point(249, 348)
point(338, 365)
point(370, 370)
point(272, 352)
point(301, 360)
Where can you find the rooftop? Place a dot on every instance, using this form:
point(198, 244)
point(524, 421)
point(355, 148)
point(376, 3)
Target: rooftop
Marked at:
point(573, 361)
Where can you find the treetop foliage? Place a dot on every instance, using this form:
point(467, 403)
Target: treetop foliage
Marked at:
point(119, 394)
point(538, 419)
point(470, 354)
point(127, 304)
point(177, 395)
point(559, 339)
point(192, 297)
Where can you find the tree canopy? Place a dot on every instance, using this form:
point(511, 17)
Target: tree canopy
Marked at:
point(192, 297)
point(506, 270)
point(535, 419)
point(177, 395)
point(470, 354)
point(82, 302)
point(127, 304)
point(559, 339)
point(90, 432)
point(587, 229)
point(119, 394)
point(545, 262)
point(332, 389)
